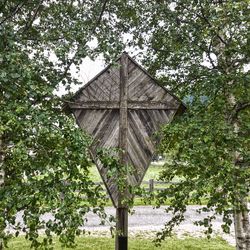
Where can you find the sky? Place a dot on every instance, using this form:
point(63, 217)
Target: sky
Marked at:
point(88, 69)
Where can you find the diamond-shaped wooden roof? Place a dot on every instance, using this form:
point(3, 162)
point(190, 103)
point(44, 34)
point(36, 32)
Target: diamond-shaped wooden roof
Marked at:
point(98, 108)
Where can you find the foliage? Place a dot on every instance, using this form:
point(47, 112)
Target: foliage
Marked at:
point(138, 242)
point(201, 50)
point(43, 156)
point(198, 48)
point(110, 160)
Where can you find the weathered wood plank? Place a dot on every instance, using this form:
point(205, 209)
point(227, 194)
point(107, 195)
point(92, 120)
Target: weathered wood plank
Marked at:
point(136, 77)
point(122, 210)
point(134, 148)
point(123, 123)
point(150, 105)
point(111, 137)
point(83, 97)
point(141, 133)
point(100, 108)
point(142, 90)
point(149, 124)
point(95, 105)
point(107, 124)
point(89, 121)
point(132, 179)
point(131, 67)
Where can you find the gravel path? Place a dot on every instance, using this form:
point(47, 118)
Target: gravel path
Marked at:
point(147, 221)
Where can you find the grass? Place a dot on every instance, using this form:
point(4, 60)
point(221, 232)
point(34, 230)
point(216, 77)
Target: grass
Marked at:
point(104, 243)
point(94, 174)
point(152, 173)
point(136, 242)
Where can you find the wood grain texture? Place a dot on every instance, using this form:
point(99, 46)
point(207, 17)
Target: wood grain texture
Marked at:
point(130, 105)
point(122, 209)
point(123, 120)
point(105, 87)
point(124, 107)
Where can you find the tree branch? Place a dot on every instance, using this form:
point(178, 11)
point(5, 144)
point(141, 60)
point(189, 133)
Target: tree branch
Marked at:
point(242, 106)
point(237, 108)
point(209, 53)
point(29, 24)
point(100, 16)
point(17, 8)
point(92, 32)
point(203, 17)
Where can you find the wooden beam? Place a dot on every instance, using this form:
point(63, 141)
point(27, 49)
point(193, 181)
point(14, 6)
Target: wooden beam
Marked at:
point(123, 122)
point(150, 105)
point(121, 242)
point(122, 210)
point(95, 105)
point(135, 105)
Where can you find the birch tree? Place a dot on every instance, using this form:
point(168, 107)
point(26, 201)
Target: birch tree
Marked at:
point(200, 50)
point(43, 156)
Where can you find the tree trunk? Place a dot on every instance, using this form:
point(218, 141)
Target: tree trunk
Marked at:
point(246, 225)
point(242, 228)
point(241, 216)
point(1, 176)
point(1, 163)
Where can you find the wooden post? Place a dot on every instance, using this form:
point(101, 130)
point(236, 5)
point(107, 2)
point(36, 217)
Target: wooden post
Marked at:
point(151, 185)
point(122, 210)
point(121, 242)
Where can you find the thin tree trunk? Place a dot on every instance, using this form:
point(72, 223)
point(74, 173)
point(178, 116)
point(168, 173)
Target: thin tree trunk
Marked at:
point(1, 163)
point(1, 176)
point(246, 224)
point(242, 228)
point(238, 226)
point(241, 216)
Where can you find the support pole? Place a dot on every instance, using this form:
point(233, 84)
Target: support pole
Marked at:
point(151, 185)
point(121, 242)
point(122, 210)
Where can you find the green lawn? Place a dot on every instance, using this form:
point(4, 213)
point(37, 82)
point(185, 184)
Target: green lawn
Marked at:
point(101, 243)
point(152, 173)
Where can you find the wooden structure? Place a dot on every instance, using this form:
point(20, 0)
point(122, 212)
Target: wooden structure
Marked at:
point(122, 107)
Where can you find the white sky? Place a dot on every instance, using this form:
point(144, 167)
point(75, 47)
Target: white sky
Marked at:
point(88, 69)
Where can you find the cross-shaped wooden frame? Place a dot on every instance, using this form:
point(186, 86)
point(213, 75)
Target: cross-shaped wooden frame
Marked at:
point(123, 107)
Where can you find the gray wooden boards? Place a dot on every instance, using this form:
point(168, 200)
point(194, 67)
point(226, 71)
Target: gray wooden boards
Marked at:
point(101, 106)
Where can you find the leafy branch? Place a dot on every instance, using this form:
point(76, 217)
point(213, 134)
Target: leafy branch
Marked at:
point(72, 60)
point(15, 11)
